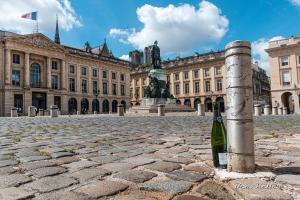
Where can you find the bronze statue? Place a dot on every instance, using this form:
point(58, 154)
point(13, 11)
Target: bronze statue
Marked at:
point(155, 56)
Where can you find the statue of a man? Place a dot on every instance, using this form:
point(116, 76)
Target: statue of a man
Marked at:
point(155, 56)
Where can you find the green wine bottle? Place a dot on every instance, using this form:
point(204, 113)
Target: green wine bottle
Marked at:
point(219, 140)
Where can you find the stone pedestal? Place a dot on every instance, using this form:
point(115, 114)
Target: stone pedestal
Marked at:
point(13, 112)
point(161, 110)
point(31, 111)
point(120, 109)
point(280, 111)
point(54, 111)
point(78, 112)
point(41, 112)
point(267, 110)
point(274, 110)
point(257, 110)
point(200, 110)
point(284, 109)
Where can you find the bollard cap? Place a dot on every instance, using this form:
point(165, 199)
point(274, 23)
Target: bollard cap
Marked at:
point(267, 106)
point(257, 105)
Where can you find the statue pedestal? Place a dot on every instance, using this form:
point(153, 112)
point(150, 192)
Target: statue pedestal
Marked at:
point(153, 101)
point(160, 74)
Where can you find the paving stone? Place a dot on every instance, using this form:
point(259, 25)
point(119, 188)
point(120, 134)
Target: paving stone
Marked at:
point(134, 196)
point(33, 158)
point(6, 170)
point(105, 159)
point(186, 176)
point(86, 174)
point(14, 193)
point(180, 160)
point(36, 165)
point(190, 197)
point(257, 189)
point(5, 163)
point(138, 161)
point(64, 160)
point(13, 180)
point(51, 150)
point(117, 167)
point(163, 166)
point(215, 191)
point(52, 183)
point(289, 179)
point(200, 168)
point(65, 195)
point(102, 189)
point(169, 186)
point(288, 170)
point(61, 154)
point(47, 171)
point(76, 166)
point(136, 176)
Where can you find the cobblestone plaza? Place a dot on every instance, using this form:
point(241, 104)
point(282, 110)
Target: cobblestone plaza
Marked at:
point(140, 157)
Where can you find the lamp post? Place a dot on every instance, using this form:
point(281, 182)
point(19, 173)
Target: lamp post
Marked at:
point(96, 94)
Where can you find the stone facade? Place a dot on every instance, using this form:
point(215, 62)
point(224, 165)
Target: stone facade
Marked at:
point(197, 79)
point(284, 59)
point(37, 71)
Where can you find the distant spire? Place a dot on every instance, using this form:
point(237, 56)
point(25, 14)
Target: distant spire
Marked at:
point(56, 38)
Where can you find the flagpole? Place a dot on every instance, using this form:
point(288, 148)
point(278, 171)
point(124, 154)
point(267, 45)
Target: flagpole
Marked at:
point(37, 22)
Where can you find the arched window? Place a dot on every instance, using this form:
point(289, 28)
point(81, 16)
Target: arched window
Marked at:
point(72, 104)
point(105, 106)
point(35, 75)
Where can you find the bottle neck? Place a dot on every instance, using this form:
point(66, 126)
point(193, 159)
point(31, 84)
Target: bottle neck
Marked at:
point(217, 115)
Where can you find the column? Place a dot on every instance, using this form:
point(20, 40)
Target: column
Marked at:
point(239, 103)
point(172, 85)
point(296, 103)
point(8, 67)
point(133, 88)
point(90, 83)
point(48, 72)
point(63, 75)
point(27, 70)
point(78, 82)
point(141, 87)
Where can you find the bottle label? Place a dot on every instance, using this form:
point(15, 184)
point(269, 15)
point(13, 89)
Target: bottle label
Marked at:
point(222, 158)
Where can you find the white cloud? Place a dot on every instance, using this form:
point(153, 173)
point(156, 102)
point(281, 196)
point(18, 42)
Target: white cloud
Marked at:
point(177, 28)
point(125, 57)
point(11, 11)
point(295, 2)
point(258, 51)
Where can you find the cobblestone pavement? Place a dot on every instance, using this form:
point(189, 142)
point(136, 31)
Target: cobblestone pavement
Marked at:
point(140, 158)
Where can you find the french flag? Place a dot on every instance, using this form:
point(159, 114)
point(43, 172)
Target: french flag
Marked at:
point(32, 16)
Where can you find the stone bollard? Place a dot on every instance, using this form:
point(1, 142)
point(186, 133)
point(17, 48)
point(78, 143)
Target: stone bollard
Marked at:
point(78, 112)
point(41, 112)
point(200, 111)
point(284, 111)
point(31, 111)
point(267, 110)
point(13, 112)
point(53, 111)
point(95, 112)
point(274, 110)
point(120, 109)
point(239, 107)
point(257, 110)
point(280, 111)
point(161, 110)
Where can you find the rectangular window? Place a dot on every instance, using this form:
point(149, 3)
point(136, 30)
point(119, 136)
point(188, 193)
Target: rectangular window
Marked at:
point(54, 65)
point(72, 69)
point(219, 85)
point(122, 90)
point(72, 84)
point(83, 71)
point(176, 77)
point(122, 77)
point(95, 87)
point(16, 77)
point(105, 88)
point(114, 89)
point(286, 80)
point(177, 89)
point(284, 61)
point(187, 88)
point(206, 73)
point(186, 75)
point(196, 73)
point(104, 75)
point(218, 71)
point(54, 82)
point(197, 87)
point(113, 75)
point(207, 86)
point(84, 86)
point(95, 72)
point(16, 58)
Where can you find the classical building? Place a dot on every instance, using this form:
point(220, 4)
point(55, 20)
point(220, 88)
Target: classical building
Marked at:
point(284, 59)
point(198, 79)
point(40, 72)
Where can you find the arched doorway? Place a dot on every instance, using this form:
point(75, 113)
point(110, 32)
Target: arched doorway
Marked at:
point(124, 105)
point(114, 106)
point(105, 106)
point(208, 105)
point(35, 75)
point(72, 105)
point(178, 102)
point(187, 102)
point(288, 102)
point(84, 106)
point(137, 104)
point(220, 100)
point(95, 105)
point(196, 102)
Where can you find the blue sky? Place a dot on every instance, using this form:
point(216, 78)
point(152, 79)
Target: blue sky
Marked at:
point(256, 21)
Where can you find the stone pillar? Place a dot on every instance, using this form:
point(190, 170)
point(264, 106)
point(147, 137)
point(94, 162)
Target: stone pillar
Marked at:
point(257, 110)
point(239, 107)
point(49, 72)
point(120, 109)
point(53, 111)
point(284, 109)
point(280, 111)
point(274, 110)
point(13, 112)
point(41, 112)
point(200, 111)
point(31, 111)
point(161, 110)
point(27, 70)
point(95, 112)
point(63, 77)
point(267, 110)
point(8, 67)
